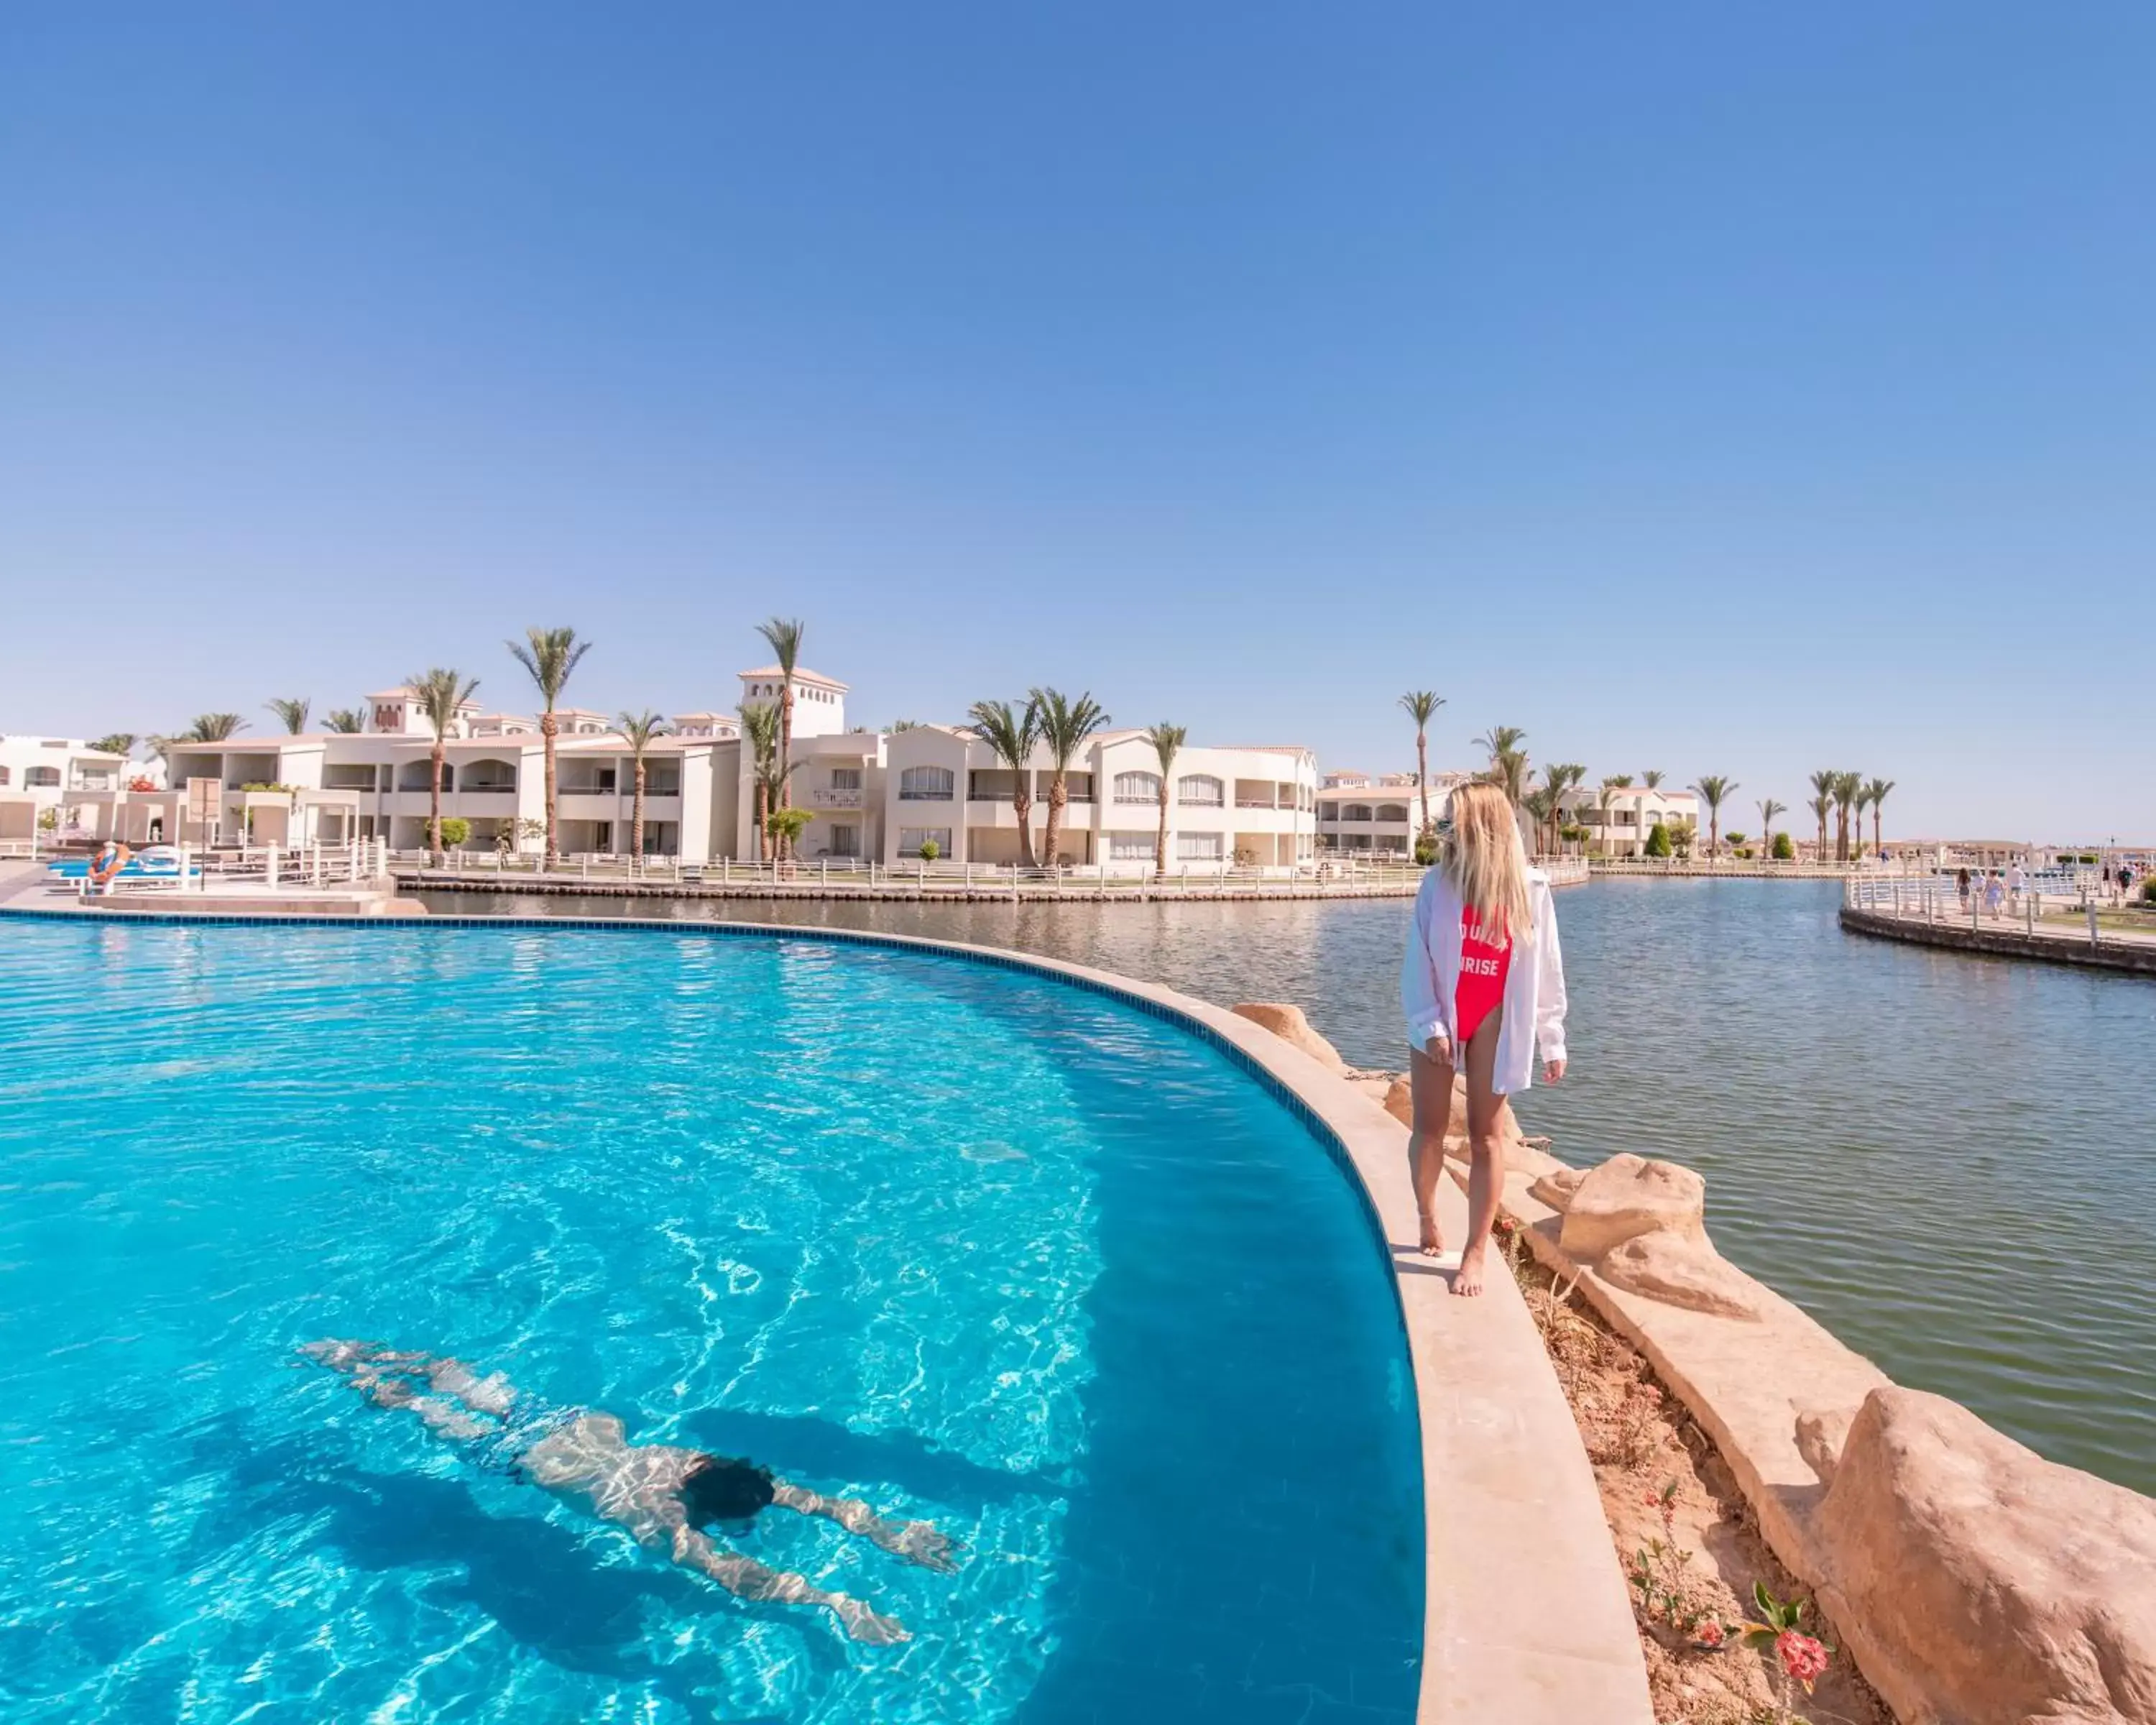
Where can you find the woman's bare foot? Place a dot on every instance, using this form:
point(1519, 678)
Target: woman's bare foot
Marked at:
point(1433, 1241)
point(1468, 1283)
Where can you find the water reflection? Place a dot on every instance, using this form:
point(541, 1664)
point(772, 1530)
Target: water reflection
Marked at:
point(1950, 1161)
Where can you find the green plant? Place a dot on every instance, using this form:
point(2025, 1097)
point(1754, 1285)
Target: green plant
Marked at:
point(117, 742)
point(1658, 840)
point(1419, 705)
point(439, 693)
point(783, 635)
point(1785, 850)
point(1425, 847)
point(929, 850)
point(1801, 1658)
point(639, 728)
point(345, 721)
point(1010, 734)
point(1245, 857)
point(1682, 836)
point(2149, 892)
point(48, 820)
point(1166, 741)
point(291, 714)
point(454, 829)
point(785, 826)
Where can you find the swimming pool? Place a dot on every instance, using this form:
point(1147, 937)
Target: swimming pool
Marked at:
point(984, 1248)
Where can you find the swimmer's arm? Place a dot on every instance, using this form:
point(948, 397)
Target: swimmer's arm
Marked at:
point(747, 1580)
point(917, 1541)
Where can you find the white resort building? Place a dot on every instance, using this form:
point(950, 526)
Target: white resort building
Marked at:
point(57, 779)
point(1377, 817)
point(874, 795)
point(1632, 812)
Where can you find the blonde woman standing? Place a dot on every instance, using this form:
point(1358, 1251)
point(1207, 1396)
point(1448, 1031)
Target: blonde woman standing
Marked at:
point(1482, 983)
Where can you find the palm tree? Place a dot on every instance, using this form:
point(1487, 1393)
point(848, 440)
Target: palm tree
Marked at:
point(759, 722)
point(1064, 725)
point(1561, 778)
point(783, 635)
point(1541, 805)
point(293, 713)
point(1011, 736)
point(1166, 741)
point(344, 721)
point(1419, 704)
point(1653, 778)
point(1615, 782)
point(1874, 794)
point(1847, 788)
point(213, 727)
point(117, 742)
point(639, 728)
point(1823, 782)
point(1768, 808)
point(1714, 789)
point(1508, 761)
point(439, 693)
point(550, 654)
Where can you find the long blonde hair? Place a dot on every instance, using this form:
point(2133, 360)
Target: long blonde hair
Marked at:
point(1484, 859)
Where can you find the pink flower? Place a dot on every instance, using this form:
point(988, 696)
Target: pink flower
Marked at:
point(1802, 1657)
point(1710, 1634)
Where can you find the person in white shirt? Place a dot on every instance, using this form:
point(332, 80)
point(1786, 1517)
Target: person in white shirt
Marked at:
point(1481, 983)
point(2017, 883)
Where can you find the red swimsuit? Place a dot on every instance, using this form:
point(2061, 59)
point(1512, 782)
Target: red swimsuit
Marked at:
point(1483, 968)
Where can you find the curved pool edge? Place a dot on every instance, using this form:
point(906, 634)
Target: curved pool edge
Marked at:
point(1526, 1618)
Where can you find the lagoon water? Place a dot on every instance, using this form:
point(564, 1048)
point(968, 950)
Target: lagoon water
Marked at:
point(1951, 1162)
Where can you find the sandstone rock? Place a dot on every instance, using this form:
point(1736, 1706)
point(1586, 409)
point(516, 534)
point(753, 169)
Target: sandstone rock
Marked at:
point(1821, 1433)
point(1977, 1583)
point(1681, 1271)
point(1521, 1157)
point(1399, 1101)
point(1288, 1024)
point(1556, 1190)
point(1628, 1196)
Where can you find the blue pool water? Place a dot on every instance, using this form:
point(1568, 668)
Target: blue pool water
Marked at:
point(986, 1249)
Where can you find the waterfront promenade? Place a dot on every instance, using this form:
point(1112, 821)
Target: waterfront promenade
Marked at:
point(2052, 931)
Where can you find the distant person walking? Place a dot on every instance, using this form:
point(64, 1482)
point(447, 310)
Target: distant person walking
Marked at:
point(1994, 894)
point(1961, 884)
point(2017, 883)
point(1481, 983)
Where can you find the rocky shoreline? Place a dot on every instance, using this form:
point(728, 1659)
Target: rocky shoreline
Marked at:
point(1971, 1581)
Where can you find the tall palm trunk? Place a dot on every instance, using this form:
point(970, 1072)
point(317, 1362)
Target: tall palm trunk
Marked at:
point(434, 809)
point(762, 814)
point(547, 727)
point(1058, 793)
point(1022, 806)
point(1878, 848)
point(785, 755)
point(636, 819)
point(1160, 838)
point(1422, 776)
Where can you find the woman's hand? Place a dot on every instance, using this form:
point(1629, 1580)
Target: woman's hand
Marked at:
point(1553, 1070)
point(1439, 1049)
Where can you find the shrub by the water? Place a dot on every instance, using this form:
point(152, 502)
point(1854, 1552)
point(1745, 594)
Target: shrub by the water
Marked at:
point(1658, 840)
point(1785, 850)
point(929, 850)
point(455, 829)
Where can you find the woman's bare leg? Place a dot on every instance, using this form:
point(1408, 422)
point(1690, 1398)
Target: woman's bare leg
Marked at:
point(1485, 1172)
point(1431, 1081)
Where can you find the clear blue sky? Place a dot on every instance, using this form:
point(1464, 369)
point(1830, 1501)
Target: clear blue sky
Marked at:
point(1720, 387)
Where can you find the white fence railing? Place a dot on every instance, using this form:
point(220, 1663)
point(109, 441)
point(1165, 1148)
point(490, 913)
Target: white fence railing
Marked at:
point(1978, 901)
point(911, 873)
point(264, 867)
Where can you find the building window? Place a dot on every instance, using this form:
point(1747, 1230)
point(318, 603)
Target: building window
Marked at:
point(1201, 790)
point(1137, 788)
point(1130, 847)
point(1356, 811)
point(846, 841)
point(1200, 847)
point(845, 779)
point(911, 838)
point(41, 776)
point(1394, 812)
point(3, 775)
point(927, 784)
